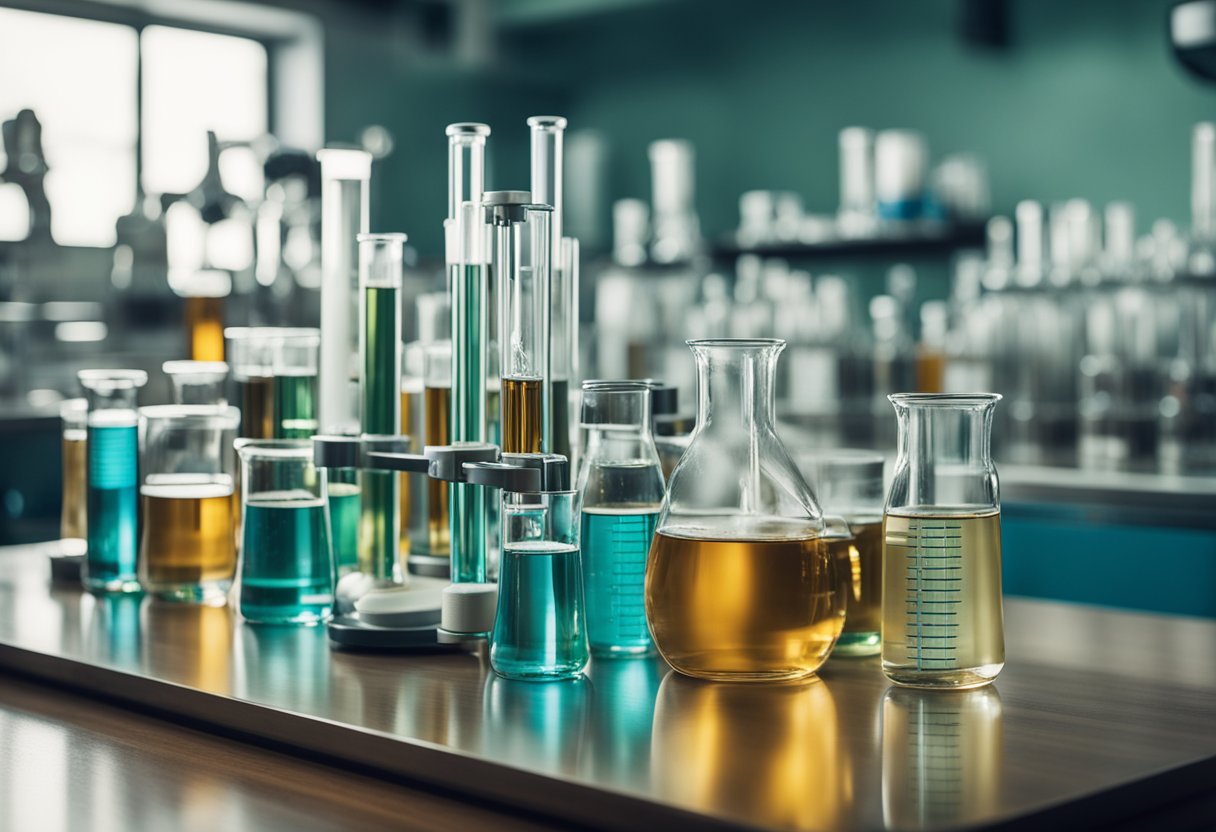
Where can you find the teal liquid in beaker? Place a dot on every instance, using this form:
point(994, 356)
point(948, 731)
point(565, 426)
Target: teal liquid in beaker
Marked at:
point(615, 544)
point(540, 636)
point(113, 503)
point(344, 510)
point(295, 405)
point(287, 572)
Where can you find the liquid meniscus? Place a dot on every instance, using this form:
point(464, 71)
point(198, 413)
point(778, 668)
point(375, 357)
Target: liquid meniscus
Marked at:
point(742, 610)
point(540, 633)
point(942, 623)
point(287, 571)
point(615, 544)
point(522, 424)
point(188, 542)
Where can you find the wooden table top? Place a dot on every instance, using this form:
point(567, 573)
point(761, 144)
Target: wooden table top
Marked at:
point(1100, 715)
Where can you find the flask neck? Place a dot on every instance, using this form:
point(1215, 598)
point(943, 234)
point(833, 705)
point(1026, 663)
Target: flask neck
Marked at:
point(735, 385)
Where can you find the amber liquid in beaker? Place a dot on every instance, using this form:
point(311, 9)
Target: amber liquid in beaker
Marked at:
point(188, 545)
point(257, 407)
point(205, 328)
point(859, 569)
point(73, 521)
point(522, 425)
point(438, 416)
point(942, 625)
point(742, 609)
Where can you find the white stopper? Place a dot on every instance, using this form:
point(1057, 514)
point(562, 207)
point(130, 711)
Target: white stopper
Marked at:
point(469, 608)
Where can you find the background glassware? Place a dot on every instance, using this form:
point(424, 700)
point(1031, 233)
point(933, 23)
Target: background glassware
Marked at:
point(113, 479)
point(621, 489)
point(739, 584)
point(942, 619)
point(198, 382)
point(251, 357)
point(73, 516)
point(293, 366)
point(286, 563)
point(849, 483)
point(187, 548)
point(437, 397)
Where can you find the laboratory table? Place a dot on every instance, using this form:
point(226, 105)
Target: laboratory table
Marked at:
point(1102, 719)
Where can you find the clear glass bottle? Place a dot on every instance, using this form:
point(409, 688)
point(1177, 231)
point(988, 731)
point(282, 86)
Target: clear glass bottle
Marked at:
point(113, 479)
point(739, 583)
point(942, 618)
point(621, 489)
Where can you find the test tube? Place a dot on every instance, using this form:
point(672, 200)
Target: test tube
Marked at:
point(113, 479)
point(73, 517)
point(677, 232)
point(1203, 182)
point(437, 396)
point(197, 382)
point(522, 247)
point(344, 210)
point(380, 269)
point(293, 356)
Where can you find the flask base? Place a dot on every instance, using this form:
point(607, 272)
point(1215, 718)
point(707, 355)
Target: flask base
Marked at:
point(961, 679)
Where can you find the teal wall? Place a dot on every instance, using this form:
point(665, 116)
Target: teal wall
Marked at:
point(1087, 102)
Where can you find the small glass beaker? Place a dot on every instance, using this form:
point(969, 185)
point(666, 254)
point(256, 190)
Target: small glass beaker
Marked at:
point(187, 548)
point(198, 382)
point(293, 364)
point(739, 584)
point(113, 479)
point(73, 516)
point(286, 569)
point(849, 484)
point(251, 356)
point(621, 489)
point(942, 616)
point(539, 630)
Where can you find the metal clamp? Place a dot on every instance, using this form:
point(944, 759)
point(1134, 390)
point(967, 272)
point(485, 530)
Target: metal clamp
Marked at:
point(523, 473)
point(361, 451)
point(440, 462)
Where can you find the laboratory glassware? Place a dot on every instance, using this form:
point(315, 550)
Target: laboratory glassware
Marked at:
point(286, 572)
point(849, 484)
point(380, 268)
point(521, 263)
point(620, 491)
point(901, 161)
point(203, 294)
point(344, 215)
point(676, 227)
point(251, 357)
point(187, 549)
point(293, 356)
point(739, 583)
point(198, 382)
point(73, 516)
point(437, 396)
point(540, 627)
point(942, 619)
point(855, 217)
point(113, 479)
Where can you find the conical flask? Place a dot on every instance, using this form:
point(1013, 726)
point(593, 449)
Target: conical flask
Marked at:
point(739, 583)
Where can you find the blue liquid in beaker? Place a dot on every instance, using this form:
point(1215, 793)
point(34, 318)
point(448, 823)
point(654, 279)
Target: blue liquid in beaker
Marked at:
point(344, 509)
point(287, 568)
point(539, 630)
point(113, 504)
point(615, 543)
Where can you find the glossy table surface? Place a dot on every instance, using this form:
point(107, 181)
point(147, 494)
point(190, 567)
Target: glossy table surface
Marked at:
point(1099, 715)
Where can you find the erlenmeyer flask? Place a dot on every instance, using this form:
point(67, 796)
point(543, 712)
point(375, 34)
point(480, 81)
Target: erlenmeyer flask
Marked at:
point(942, 620)
point(739, 583)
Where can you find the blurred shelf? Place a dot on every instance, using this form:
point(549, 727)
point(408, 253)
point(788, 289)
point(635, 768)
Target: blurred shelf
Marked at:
point(927, 239)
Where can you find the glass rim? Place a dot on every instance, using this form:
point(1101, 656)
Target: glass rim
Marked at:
point(288, 449)
point(201, 368)
point(112, 379)
point(398, 237)
point(607, 386)
point(228, 414)
point(944, 399)
point(735, 342)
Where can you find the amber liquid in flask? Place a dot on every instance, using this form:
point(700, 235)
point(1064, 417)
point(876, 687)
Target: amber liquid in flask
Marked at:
point(859, 572)
point(942, 621)
point(742, 609)
point(522, 426)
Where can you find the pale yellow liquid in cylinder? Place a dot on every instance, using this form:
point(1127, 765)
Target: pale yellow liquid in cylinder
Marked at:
point(438, 417)
point(742, 610)
point(73, 518)
point(403, 482)
point(942, 623)
point(188, 539)
point(859, 567)
point(522, 428)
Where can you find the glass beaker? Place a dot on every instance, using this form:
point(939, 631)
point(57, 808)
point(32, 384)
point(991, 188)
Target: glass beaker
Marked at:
point(113, 479)
point(187, 547)
point(286, 562)
point(848, 484)
point(739, 583)
point(251, 356)
point(942, 618)
point(198, 382)
point(293, 365)
point(539, 630)
point(73, 516)
point(621, 489)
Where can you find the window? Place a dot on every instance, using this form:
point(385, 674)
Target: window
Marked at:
point(81, 79)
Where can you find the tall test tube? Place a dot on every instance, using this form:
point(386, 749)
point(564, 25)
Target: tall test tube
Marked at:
point(547, 134)
point(380, 269)
point(344, 210)
point(521, 264)
point(467, 274)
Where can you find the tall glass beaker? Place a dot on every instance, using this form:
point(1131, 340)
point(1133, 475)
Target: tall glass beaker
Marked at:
point(942, 617)
point(621, 489)
point(113, 479)
point(187, 549)
point(739, 583)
